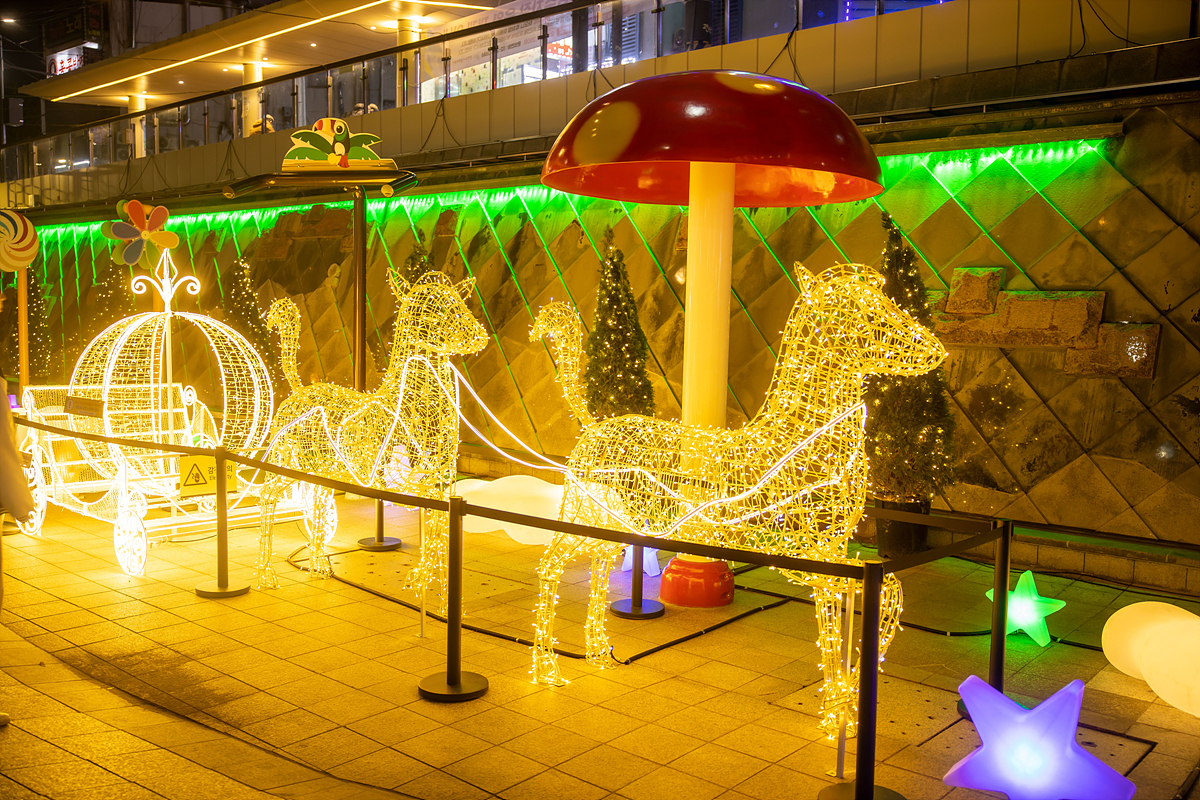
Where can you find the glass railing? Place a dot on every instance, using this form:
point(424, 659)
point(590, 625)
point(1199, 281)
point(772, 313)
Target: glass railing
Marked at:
point(570, 38)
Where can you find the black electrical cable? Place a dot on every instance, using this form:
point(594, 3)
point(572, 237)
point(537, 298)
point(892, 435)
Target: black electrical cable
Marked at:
point(903, 624)
point(291, 560)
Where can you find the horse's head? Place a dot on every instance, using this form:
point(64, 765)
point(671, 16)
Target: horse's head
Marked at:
point(881, 337)
point(432, 315)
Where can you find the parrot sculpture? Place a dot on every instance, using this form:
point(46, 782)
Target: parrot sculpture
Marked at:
point(331, 142)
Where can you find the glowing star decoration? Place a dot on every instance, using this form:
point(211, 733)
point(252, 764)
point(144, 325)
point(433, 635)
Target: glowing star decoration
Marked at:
point(792, 481)
point(142, 233)
point(125, 375)
point(331, 145)
point(402, 437)
point(1032, 754)
point(18, 241)
point(1027, 610)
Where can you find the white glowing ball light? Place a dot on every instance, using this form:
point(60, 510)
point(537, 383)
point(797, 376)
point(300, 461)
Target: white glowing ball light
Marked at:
point(1160, 644)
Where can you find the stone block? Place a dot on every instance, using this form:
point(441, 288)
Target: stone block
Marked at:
point(1053, 557)
point(974, 290)
point(1122, 351)
point(1114, 568)
point(1165, 576)
point(273, 248)
point(1029, 319)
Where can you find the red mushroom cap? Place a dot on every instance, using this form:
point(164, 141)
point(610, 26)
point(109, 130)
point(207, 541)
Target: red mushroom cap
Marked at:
point(792, 146)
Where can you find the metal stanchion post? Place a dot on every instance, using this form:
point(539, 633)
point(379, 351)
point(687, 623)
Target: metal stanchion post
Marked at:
point(1000, 578)
point(848, 655)
point(421, 544)
point(636, 607)
point(454, 685)
point(1000, 607)
point(379, 542)
point(221, 586)
point(863, 786)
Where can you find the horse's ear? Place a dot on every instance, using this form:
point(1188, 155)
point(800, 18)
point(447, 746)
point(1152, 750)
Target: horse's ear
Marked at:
point(465, 288)
point(400, 287)
point(805, 280)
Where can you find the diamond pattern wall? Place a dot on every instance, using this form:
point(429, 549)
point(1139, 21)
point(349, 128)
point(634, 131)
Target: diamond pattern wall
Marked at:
point(1033, 442)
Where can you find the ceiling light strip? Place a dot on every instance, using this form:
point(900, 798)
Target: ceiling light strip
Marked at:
point(309, 23)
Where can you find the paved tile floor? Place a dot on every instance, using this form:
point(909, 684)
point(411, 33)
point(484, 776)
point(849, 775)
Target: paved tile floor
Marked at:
point(134, 687)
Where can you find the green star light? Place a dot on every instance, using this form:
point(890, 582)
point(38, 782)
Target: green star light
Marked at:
point(1027, 610)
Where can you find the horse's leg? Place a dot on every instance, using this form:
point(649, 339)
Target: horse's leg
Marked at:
point(265, 577)
point(839, 687)
point(545, 661)
point(323, 518)
point(431, 569)
point(599, 650)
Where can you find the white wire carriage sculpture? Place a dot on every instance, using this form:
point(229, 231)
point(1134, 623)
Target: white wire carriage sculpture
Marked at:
point(129, 369)
point(402, 437)
point(792, 481)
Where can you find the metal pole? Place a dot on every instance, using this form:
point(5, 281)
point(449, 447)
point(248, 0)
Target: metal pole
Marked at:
point(637, 607)
point(360, 288)
point(378, 542)
point(847, 661)
point(221, 586)
point(421, 544)
point(545, 37)
point(22, 328)
point(1000, 607)
point(863, 787)
point(495, 51)
point(4, 99)
point(454, 685)
point(868, 681)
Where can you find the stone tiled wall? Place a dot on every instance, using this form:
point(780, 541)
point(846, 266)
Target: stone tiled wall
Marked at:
point(1043, 435)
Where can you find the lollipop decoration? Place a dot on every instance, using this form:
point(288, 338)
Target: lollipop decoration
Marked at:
point(18, 241)
point(144, 226)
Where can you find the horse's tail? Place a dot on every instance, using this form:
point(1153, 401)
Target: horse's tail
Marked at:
point(284, 317)
point(561, 325)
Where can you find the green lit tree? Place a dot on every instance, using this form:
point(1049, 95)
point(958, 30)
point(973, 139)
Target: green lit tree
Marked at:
point(110, 300)
point(243, 314)
point(40, 351)
point(615, 377)
point(910, 429)
point(418, 262)
point(39, 332)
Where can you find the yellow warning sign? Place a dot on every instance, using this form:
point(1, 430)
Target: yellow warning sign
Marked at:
point(198, 475)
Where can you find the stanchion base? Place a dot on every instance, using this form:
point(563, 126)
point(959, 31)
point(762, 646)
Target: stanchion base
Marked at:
point(372, 544)
point(649, 609)
point(211, 590)
point(845, 791)
point(470, 686)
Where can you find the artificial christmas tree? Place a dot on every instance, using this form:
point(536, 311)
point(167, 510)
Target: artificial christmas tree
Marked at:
point(615, 377)
point(243, 314)
point(910, 429)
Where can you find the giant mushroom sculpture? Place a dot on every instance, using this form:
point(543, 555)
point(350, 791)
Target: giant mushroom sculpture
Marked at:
point(712, 140)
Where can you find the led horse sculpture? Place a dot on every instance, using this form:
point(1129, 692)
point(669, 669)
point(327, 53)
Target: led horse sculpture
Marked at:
point(791, 481)
point(402, 437)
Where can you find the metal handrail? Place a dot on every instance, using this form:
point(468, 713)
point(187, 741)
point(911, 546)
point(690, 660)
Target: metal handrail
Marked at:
point(454, 685)
point(345, 62)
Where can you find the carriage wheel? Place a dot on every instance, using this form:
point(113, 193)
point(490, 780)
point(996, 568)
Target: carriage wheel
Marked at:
point(129, 542)
point(32, 526)
point(320, 512)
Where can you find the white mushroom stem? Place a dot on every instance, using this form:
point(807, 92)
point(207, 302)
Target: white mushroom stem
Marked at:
point(709, 284)
point(709, 275)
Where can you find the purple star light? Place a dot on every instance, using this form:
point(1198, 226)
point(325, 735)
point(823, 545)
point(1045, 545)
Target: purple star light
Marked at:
point(1032, 754)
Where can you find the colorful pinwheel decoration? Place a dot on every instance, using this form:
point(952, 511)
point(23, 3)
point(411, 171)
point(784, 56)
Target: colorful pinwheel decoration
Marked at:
point(331, 144)
point(18, 241)
point(142, 233)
